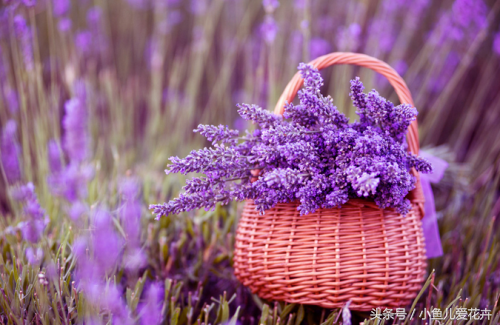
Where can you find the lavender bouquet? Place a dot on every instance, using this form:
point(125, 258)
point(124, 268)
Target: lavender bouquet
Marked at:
point(311, 154)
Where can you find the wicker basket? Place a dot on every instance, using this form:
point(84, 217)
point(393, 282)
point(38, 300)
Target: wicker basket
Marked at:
point(371, 256)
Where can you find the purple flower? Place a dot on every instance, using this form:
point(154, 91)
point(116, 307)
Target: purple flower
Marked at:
point(348, 38)
point(299, 4)
point(198, 7)
point(83, 42)
point(134, 259)
point(464, 21)
point(365, 184)
point(76, 210)
point(32, 228)
point(319, 47)
point(150, 309)
point(61, 7)
point(11, 99)
point(64, 25)
point(400, 66)
point(469, 12)
point(75, 139)
point(496, 43)
point(130, 211)
point(258, 115)
point(385, 32)
point(9, 153)
point(34, 257)
point(106, 243)
point(23, 34)
point(29, 3)
point(55, 156)
point(295, 46)
point(314, 156)
point(94, 18)
point(269, 29)
point(71, 182)
point(216, 134)
point(270, 5)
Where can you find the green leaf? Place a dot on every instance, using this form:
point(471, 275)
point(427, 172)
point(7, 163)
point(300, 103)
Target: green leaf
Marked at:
point(234, 319)
point(287, 310)
point(264, 314)
point(300, 315)
point(175, 316)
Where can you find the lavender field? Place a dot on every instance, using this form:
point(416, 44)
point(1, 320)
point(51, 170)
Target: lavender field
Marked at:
point(96, 95)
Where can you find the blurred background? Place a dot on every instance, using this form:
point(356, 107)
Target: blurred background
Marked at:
point(95, 96)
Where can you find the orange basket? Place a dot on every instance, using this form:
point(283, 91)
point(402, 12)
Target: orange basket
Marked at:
point(359, 252)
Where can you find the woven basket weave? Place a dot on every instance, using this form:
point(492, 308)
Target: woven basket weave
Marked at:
point(359, 252)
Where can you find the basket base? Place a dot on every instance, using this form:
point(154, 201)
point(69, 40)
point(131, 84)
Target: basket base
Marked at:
point(373, 257)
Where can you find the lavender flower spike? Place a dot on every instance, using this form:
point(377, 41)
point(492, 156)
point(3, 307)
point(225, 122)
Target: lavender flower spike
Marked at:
point(151, 308)
point(33, 228)
point(215, 134)
point(258, 115)
point(9, 153)
point(75, 130)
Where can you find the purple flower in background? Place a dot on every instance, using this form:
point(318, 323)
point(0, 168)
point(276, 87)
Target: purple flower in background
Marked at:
point(469, 12)
point(23, 34)
point(3, 71)
point(496, 43)
point(75, 140)
point(54, 157)
point(70, 182)
point(34, 257)
point(83, 42)
point(383, 30)
point(439, 81)
point(106, 243)
point(130, 210)
point(33, 228)
point(134, 259)
point(417, 8)
point(76, 210)
point(270, 5)
point(400, 66)
point(269, 29)
point(240, 124)
point(139, 4)
point(198, 7)
point(318, 47)
point(61, 7)
point(64, 25)
point(295, 46)
point(29, 3)
point(94, 17)
point(113, 301)
point(150, 309)
point(348, 38)
point(464, 21)
point(11, 99)
point(299, 4)
point(9, 152)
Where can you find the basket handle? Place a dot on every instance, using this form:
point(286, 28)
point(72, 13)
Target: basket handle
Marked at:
point(363, 60)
